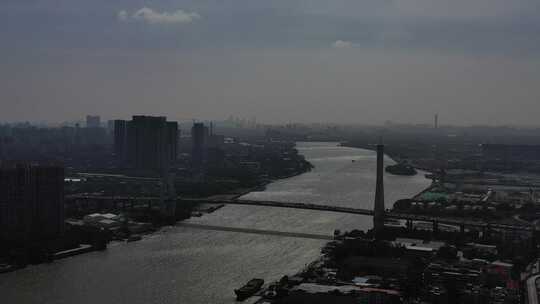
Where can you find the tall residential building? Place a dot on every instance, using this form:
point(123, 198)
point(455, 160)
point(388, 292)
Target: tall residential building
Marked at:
point(146, 143)
point(120, 142)
point(93, 121)
point(31, 202)
point(199, 137)
point(173, 134)
point(93, 134)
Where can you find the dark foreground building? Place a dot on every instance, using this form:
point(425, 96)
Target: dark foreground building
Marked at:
point(31, 203)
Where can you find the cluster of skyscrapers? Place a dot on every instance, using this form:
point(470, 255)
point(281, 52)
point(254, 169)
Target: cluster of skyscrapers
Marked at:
point(32, 195)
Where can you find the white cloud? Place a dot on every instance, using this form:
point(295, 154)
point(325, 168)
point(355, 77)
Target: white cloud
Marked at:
point(340, 44)
point(150, 16)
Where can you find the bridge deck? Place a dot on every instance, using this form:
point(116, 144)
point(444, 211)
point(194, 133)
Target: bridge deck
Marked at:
point(257, 231)
point(322, 207)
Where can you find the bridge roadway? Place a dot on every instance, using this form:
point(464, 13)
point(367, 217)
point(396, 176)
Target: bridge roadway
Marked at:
point(257, 231)
point(321, 207)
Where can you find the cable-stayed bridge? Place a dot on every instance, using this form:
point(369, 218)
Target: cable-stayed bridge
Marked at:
point(317, 207)
point(379, 213)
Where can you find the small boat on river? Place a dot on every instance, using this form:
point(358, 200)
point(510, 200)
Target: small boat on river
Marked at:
point(401, 169)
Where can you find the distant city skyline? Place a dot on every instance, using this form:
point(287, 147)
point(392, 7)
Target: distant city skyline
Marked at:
point(186, 123)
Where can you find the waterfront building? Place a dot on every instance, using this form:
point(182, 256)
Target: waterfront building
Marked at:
point(31, 202)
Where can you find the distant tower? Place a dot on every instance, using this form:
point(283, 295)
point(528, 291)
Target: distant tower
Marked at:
point(436, 121)
point(378, 216)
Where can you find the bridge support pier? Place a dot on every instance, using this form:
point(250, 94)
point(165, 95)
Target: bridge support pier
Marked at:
point(486, 231)
point(409, 225)
point(435, 227)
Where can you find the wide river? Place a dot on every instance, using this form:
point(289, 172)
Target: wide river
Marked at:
point(183, 264)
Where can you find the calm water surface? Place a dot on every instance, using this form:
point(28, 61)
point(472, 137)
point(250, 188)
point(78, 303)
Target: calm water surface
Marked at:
point(188, 265)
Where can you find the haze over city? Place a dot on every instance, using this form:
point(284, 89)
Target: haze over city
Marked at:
point(270, 152)
point(475, 62)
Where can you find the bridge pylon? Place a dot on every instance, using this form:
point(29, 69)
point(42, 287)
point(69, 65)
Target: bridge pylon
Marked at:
point(378, 210)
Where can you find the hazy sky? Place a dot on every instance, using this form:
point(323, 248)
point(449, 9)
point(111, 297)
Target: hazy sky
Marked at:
point(352, 61)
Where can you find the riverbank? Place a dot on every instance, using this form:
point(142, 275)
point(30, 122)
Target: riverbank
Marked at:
point(355, 268)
